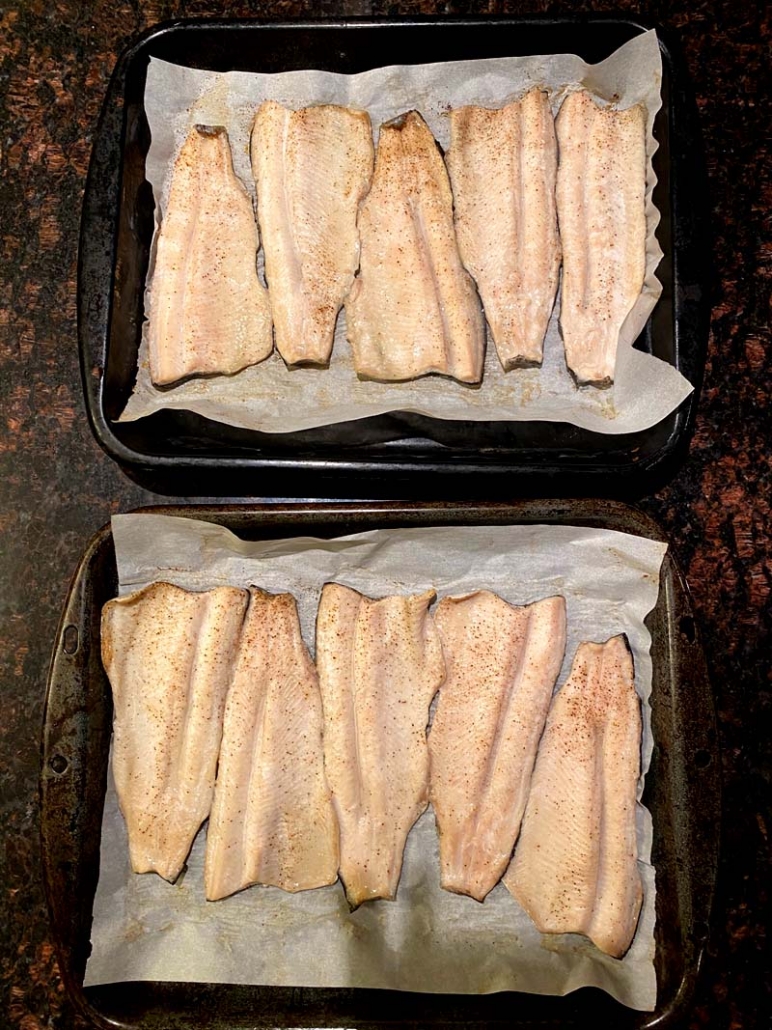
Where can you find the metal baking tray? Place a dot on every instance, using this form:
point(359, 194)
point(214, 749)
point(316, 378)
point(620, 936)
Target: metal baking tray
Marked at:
point(682, 793)
point(399, 454)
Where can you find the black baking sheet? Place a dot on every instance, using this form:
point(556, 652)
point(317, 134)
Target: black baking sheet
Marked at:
point(397, 454)
point(681, 793)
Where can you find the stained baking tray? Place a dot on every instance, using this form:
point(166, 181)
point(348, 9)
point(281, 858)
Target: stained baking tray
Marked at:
point(682, 793)
point(394, 455)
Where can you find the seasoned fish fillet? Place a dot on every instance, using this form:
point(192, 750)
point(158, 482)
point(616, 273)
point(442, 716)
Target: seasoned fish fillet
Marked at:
point(600, 193)
point(272, 818)
point(413, 308)
point(209, 313)
point(312, 167)
point(380, 664)
point(168, 654)
point(503, 166)
point(502, 663)
point(575, 868)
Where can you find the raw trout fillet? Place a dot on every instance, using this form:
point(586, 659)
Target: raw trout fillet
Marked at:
point(380, 664)
point(503, 166)
point(209, 313)
point(312, 167)
point(575, 867)
point(272, 819)
point(413, 309)
point(168, 654)
point(600, 193)
point(502, 664)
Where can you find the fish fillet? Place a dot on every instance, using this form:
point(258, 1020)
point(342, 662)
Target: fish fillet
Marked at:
point(600, 194)
point(413, 309)
point(380, 664)
point(209, 312)
point(168, 654)
point(503, 166)
point(312, 167)
point(502, 664)
point(575, 868)
point(272, 818)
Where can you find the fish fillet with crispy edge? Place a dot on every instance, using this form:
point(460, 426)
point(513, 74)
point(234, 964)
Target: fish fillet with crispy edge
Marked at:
point(601, 212)
point(272, 819)
point(413, 308)
point(502, 664)
point(575, 867)
point(380, 664)
point(503, 165)
point(209, 312)
point(312, 167)
point(168, 654)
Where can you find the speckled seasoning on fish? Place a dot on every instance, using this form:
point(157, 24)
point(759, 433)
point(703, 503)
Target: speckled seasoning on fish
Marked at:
point(503, 165)
point(601, 187)
point(575, 867)
point(209, 313)
point(380, 664)
point(168, 654)
point(312, 167)
point(272, 818)
point(502, 664)
point(413, 308)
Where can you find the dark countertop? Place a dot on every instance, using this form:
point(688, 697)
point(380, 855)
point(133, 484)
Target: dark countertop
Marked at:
point(57, 487)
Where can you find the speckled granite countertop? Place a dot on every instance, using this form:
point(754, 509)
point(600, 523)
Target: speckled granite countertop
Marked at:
point(57, 487)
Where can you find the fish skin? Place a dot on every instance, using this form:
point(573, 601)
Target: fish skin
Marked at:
point(272, 819)
point(601, 188)
point(575, 866)
point(209, 313)
point(413, 308)
point(380, 664)
point(503, 169)
point(312, 168)
point(168, 654)
point(502, 664)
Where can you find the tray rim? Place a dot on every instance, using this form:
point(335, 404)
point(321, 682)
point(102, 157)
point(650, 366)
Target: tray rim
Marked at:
point(142, 463)
point(579, 511)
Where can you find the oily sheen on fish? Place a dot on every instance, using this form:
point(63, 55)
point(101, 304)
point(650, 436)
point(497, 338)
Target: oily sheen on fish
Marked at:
point(312, 167)
point(272, 819)
point(575, 866)
point(209, 313)
point(502, 664)
point(413, 308)
point(601, 187)
point(503, 166)
point(380, 664)
point(168, 654)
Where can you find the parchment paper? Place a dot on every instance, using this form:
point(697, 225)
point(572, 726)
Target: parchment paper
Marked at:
point(271, 398)
point(428, 939)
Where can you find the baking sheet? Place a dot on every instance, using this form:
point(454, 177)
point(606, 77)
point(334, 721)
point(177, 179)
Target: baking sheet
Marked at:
point(428, 939)
point(272, 398)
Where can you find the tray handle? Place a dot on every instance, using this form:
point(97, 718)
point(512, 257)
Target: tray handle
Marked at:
point(97, 248)
point(696, 806)
point(77, 724)
point(692, 251)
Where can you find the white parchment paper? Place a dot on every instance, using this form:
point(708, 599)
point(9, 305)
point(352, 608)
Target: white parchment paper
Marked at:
point(428, 939)
point(272, 398)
